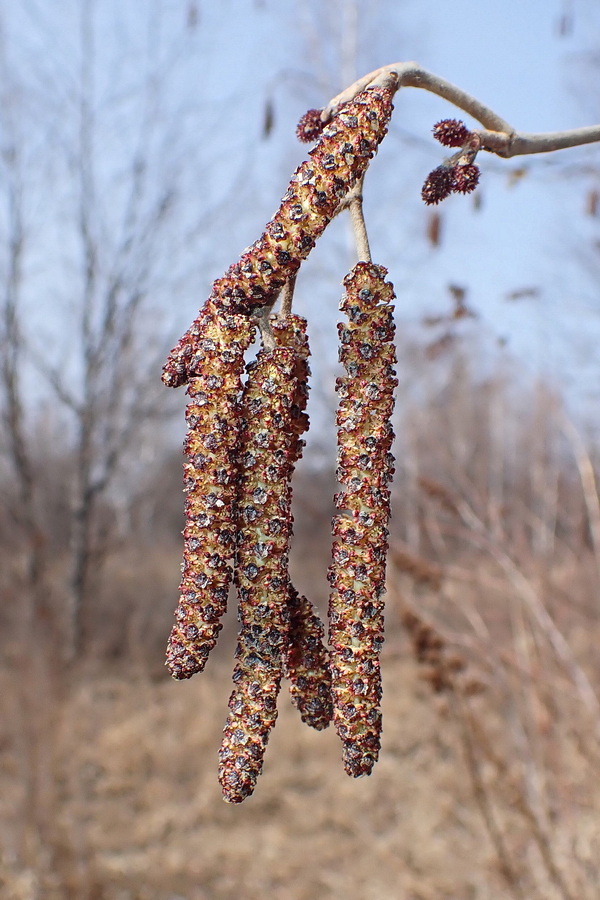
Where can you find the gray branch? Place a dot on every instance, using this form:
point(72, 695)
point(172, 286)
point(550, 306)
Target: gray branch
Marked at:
point(497, 136)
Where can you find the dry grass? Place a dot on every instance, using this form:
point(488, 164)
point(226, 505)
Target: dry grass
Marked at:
point(487, 786)
point(140, 813)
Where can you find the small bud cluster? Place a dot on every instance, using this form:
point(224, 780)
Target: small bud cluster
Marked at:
point(306, 663)
point(458, 175)
point(451, 133)
point(310, 126)
point(357, 573)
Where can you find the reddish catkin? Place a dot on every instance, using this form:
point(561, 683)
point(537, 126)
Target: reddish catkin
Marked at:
point(336, 163)
point(365, 466)
point(305, 656)
point(210, 474)
point(306, 663)
point(270, 422)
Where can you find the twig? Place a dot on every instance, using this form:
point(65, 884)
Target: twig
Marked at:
point(355, 208)
point(287, 297)
point(497, 136)
point(264, 325)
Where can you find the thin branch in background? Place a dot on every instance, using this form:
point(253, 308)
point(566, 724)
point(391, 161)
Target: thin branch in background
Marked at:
point(266, 331)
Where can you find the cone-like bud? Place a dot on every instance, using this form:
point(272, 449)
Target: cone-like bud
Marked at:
point(310, 126)
point(365, 466)
point(270, 447)
point(451, 133)
point(466, 178)
point(210, 474)
point(336, 163)
point(438, 185)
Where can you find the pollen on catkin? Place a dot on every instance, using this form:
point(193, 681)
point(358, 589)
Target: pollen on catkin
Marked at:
point(210, 473)
point(365, 467)
point(270, 425)
point(335, 165)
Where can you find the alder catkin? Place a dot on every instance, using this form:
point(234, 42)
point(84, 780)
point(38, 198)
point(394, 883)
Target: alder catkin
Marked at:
point(365, 467)
point(210, 475)
point(306, 663)
point(305, 656)
point(271, 423)
point(336, 163)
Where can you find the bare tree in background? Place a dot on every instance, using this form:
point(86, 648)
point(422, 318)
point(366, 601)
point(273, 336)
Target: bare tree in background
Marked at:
point(90, 181)
point(116, 398)
point(115, 198)
point(16, 452)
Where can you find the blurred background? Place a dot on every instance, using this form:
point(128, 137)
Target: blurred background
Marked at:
point(142, 147)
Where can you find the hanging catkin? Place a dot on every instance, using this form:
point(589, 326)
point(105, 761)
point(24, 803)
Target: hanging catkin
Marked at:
point(305, 656)
point(271, 423)
point(210, 474)
point(315, 191)
point(365, 466)
point(306, 663)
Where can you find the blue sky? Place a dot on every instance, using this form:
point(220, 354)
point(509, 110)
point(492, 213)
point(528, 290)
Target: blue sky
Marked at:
point(220, 68)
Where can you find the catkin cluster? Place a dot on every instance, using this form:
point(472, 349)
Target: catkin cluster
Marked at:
point(245, 427)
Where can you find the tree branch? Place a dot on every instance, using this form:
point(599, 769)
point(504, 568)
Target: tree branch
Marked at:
point(355, 208)
point(497, 136)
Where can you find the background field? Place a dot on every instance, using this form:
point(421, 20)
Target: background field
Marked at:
point(487, 782)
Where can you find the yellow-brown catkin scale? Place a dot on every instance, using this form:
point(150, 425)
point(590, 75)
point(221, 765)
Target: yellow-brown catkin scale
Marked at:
point(316, 189)
point(365, 466)
point(268, 454)
point(305, 656)
point(210, 476)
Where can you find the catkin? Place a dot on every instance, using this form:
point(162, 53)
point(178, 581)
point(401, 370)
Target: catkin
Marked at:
point(210, 474)
point(305, 656)
point(271, 422)
point(365, 466)
point(306, 663)
point(336, 163)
